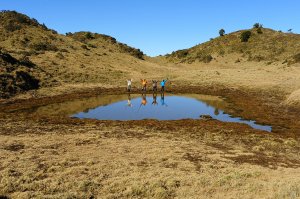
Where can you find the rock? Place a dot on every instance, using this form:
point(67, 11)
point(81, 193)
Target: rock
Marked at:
point(206, 117)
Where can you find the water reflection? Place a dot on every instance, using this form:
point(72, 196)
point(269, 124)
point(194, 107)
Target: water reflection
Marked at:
point(154, 102)
point(162, 99)
point(129, 100)
point(172, 107)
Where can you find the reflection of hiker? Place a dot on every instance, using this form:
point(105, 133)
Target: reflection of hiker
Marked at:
point(129, 101)
point(162, 83)
point(154, 85)
point(154, 99)
point(144, 84)
point(162, 99)
point(144, 100)
point(216, 111)
point(129, 81)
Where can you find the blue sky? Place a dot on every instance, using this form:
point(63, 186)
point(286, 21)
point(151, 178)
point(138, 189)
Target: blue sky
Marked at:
point(159, 26)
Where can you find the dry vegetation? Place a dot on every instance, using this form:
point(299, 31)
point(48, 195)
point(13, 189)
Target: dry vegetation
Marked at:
point(42, 157)
point(146, 161)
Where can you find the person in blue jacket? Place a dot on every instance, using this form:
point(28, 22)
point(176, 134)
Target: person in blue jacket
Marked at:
point(162, 84)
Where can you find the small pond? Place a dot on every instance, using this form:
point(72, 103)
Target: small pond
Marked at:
point(150, 106)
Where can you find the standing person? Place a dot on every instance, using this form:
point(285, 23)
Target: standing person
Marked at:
point(144, 84)
point(154, 85)
point(129, 81)
point(163, 83)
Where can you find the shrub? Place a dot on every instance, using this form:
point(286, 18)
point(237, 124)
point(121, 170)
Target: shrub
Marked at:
point(256, 25)
point(26, 62)
point(207, 58)
point(245, 36)
point(297, 58)
point(43, 46)
point(222, 32)
point(259, 31)
point(92, 46)
point(84, 47)
point(181, 53)
point(89, 35)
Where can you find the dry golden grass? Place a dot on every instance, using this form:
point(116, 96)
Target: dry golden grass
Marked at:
point(114, 162)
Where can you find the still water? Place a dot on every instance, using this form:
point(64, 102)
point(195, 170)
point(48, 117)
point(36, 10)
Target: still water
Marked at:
point(161, 107)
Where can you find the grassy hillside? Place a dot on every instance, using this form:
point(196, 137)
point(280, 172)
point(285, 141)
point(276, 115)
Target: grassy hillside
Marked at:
point(20, 75)
point(74, 58)
point(267, 45)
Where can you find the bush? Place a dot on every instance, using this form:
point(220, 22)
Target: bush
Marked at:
point(256, 25)
point(207, 58)
point(245, 36)
point(84, 47)
point(89, 35)
point(259, 31)
point(181, 53)
point(26, 62)
point(222, 32)
point(297, 58)
point(43, 46)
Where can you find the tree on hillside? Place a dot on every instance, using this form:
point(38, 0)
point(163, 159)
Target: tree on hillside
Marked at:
point(88, 35)
point(222, 32)
point(256, 25)
point(245, 36)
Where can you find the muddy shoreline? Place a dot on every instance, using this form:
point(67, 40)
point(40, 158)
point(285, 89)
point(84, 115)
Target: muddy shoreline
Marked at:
point(264, 107)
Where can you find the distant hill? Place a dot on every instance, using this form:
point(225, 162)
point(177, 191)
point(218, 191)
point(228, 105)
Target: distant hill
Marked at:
point(94, 40)
point(267, 45)
point(81, 57)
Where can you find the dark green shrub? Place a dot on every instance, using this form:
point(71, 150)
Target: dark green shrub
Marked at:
point(89, 35)
point(256, 25)
point(181, 53)
point(43, 46)
point(245, 36)
point(221, 32)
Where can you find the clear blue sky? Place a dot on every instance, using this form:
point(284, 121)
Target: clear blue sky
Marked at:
point(159, 26)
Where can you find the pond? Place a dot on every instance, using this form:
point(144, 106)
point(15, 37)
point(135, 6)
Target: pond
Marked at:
point(151, 106)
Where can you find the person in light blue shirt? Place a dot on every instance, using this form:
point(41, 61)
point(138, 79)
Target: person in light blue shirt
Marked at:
point(162, 84)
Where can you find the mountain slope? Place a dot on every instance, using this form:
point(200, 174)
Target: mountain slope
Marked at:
point(74, 58)
point(270, 46)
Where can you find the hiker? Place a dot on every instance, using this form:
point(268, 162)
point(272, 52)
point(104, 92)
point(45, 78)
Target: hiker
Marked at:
point(144, 84)
point(154, 85)
point(162, 83)
point(129, 81)
point(154, 99)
